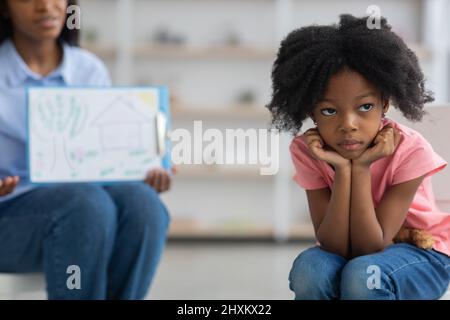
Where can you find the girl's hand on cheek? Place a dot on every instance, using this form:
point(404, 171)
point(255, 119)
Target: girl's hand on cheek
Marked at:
point(8, 184)
point(385, 143)
point(319, 151)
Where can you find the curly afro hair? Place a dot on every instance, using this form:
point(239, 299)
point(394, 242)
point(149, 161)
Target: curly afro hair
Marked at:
point(310, 55)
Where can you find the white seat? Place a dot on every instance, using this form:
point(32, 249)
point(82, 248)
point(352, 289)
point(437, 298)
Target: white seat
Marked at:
point(446, 295)
point(22, 286)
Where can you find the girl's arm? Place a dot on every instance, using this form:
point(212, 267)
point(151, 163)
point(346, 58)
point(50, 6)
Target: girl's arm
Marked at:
point(330, 213)
point(371, 230)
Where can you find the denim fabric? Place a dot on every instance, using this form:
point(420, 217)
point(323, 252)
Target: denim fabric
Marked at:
point(400, 271)
point(115, 234)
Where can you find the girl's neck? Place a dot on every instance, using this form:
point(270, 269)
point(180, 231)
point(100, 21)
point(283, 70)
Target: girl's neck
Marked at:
point(42, 57)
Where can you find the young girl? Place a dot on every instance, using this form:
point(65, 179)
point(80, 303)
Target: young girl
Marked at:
point(365, 175)
point(115, 234)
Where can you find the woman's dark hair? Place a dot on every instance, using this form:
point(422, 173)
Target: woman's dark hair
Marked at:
point(310, 55)
point(70, 36)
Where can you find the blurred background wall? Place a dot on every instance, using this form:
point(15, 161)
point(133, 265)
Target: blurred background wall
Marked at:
point(216, 58)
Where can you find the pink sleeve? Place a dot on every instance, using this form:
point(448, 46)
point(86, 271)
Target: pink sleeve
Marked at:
point(307, 172)
point(417, 158)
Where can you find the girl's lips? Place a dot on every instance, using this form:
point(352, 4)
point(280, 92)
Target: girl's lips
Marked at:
point(351, 146)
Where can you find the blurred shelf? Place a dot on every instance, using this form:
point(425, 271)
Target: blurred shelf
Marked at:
point(102, 51)
point(189, 228)
point(167, 51)
point(248, 112)
point(173, 51)
point(422, 52)
point(186, 52)
point(220, 171)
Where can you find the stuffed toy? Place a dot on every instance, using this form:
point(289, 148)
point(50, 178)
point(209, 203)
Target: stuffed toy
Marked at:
point(420, 238)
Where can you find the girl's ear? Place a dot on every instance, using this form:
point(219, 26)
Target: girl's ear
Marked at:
point(385, 105)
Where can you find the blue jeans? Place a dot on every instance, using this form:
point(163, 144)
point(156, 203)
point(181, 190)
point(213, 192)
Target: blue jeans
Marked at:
point(115, 234)
point(400, 271)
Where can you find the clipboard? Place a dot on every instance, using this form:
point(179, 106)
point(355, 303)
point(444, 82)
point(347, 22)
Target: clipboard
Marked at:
point(96, 134)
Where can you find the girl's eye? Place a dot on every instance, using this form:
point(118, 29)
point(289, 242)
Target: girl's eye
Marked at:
point(328, 111)
point(366, 107)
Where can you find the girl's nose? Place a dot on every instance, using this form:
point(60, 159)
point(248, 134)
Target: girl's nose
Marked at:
point(348, 124)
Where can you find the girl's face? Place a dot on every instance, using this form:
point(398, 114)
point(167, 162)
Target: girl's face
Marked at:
point(350, 111)
point(37, 20)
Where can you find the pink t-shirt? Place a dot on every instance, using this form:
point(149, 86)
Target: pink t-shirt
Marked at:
point(413, 158)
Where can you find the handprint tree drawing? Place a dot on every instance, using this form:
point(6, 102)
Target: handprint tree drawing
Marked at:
point(58, 121)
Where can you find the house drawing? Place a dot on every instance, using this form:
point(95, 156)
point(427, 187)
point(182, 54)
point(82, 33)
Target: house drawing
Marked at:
point(120, 125)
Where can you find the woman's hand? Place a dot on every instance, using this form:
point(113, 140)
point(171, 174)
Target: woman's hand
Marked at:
point(8, 184)
point(319, 151)
point(159, 179)
point(385, 144)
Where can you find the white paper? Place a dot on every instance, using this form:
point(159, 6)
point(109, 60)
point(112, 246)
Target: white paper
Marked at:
point(92, 134)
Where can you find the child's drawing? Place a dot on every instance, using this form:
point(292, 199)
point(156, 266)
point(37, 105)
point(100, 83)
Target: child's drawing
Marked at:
point(120, 116)
point(92, 134)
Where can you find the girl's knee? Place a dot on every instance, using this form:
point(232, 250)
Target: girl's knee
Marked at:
point(301, 280)
point(312, 275)
point(362, 279)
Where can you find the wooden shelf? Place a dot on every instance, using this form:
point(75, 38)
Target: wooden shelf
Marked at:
point(213, 52)
point(220, 171)
point(422, 52)
point(102, 51)
point(204, 52)
point(187, 228)
point(248, 112)
point(186, 52)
